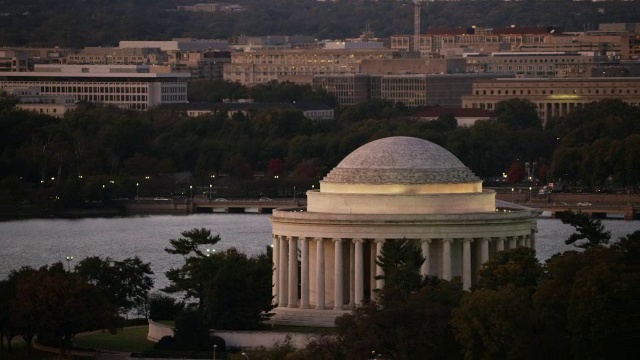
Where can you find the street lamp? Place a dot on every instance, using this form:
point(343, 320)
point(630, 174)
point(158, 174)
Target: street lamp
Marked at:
point(245, 355)
point(512, 189)
point(69, 258)
point(529, 193)
point(214, 351)
point(294, 193)
point(210, 252)
point(191, 191)
point(210, 187)
point(137, 185)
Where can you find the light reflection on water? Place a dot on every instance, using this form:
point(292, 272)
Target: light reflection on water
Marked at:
point(38, 242)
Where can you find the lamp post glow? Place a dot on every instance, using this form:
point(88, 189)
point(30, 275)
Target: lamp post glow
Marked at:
point(210, 252)
point(191, 191)
point(210, 187)
point(245, 355)
point(214, 351)
point(137, 185)
point(69, 258)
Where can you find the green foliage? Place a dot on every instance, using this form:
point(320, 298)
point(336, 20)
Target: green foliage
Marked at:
point(163, 307)
point(587, 229)
point(96, 23)
point(232, 290)
point(400, 261)
point(125, 283)
point(495, 324)
point(515, 267)
point(238, 295)
point(416, 328)
point(518, 114)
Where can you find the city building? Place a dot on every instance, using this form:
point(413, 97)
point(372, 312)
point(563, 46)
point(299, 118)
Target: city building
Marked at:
point(297, 65)
point(463, 116)
point(31, 100)
point(413, 90)
point(390, 189)
point(124, 86)
point(553, 97)
point(537, 64)
point(311, 110)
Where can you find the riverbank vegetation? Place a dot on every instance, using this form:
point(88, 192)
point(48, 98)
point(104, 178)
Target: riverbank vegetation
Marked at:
point(97, 157)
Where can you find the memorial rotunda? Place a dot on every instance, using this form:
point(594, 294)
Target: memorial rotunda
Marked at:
point(388, 189)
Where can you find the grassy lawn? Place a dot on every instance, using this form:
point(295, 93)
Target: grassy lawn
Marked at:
point(132, 339)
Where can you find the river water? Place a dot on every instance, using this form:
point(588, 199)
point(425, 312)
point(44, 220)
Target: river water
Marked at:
point(37, 242)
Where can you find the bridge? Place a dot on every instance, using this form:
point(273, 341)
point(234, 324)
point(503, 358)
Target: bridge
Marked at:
point(596, 205)
point(181, 205)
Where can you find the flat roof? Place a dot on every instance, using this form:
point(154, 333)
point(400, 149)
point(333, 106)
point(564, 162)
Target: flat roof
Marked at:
point(106, 75)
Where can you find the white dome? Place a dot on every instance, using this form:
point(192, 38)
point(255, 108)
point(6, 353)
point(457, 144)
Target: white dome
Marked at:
point(400, 160)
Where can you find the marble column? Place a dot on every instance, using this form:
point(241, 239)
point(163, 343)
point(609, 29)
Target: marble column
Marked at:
point(338, 275)
point(533, 239)
point(379, 271)
point(484, 250)
point(520, 241)
point(359, 273)
point(424, 269)
point(446, 258)
point(500, 244)
point(527, 242)
point(372, 269)
point(512, 242)
point(304, 273)
point(352, 274)
point(293, 272)
point(276, 266)
point(320, 274)
point(466, 263)
point(284, 267)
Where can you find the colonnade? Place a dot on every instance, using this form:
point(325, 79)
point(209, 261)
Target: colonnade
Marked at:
point(289, 291)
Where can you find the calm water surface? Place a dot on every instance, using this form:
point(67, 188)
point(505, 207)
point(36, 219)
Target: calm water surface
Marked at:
point(38, 242)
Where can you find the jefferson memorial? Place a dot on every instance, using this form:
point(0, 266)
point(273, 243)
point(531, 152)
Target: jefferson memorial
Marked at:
point(324, 256)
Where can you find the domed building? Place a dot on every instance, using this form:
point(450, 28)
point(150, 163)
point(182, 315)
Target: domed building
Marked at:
point(388, 189)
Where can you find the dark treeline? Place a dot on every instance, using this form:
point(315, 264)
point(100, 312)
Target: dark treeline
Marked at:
point(79, 23)
point(97, 153)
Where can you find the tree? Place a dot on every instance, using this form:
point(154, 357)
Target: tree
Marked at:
point(516, 173)
point(495, 324)
point(238, 295)
point(163, 307)
point(515, 267)
point(400, 261)
point(518, 114)
point(416, 328)
point(126, 283)
point(59, 305)
point(191, 278)
point(586, 228)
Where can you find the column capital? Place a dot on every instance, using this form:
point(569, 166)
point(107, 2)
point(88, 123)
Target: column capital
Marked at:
point(318, 239)
point(468, 240)
point(336, 240)
point(380, 241)
point(357, 240)
point(449, 240)
point(425, 241)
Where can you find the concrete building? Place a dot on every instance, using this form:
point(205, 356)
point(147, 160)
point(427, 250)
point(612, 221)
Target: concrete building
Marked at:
point(536, 64)
point(553, 97)
point(389, 189)
point(254, 67)
point(31, 100)
point(186, 44)
point(124, 86)
point(413, 90)
point(464, 116)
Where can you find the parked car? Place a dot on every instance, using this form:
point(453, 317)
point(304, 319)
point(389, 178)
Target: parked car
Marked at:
point(161, 199)
point(584, 204)
point(220, 199)
point(265, 199)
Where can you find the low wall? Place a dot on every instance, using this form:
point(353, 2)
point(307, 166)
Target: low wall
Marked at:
point(239, 339)
point(157, 331)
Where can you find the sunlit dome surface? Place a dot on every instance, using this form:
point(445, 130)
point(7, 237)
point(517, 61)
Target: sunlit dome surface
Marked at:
point(400, 160)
